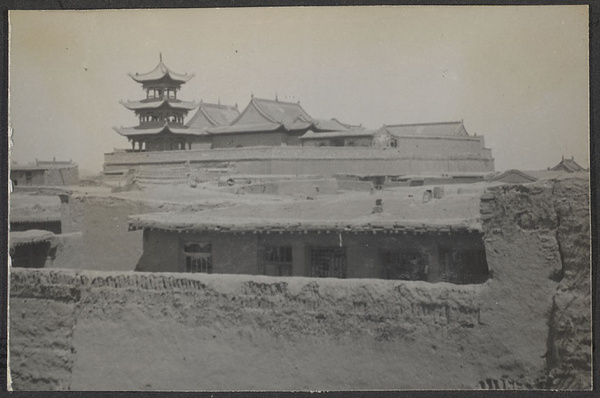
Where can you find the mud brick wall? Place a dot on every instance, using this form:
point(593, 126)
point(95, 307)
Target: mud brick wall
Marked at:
point(538, 249)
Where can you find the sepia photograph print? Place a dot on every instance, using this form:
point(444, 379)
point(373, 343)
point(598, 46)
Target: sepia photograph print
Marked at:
point(300, 199)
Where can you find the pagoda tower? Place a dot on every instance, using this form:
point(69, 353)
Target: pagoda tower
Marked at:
point(161, 113)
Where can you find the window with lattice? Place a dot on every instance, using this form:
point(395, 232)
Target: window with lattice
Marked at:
point(464, 266)
point(328, 262)
point(410, 265)
point(198, 257)
point(278, 260)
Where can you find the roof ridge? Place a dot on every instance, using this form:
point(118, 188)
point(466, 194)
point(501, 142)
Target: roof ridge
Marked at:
point(208, 117)
point(210, 104)
point(421, 124)
point(262, 112)
point(277, 101)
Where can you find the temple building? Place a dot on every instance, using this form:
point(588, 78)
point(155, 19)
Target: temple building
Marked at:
point(161, 114)
point(280, 137)
point(270, 123)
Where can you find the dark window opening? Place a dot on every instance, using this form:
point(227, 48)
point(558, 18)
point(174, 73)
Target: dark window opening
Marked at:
point(198, 258)
point(278, 260)
point(52, 226)
point(405, 265)
point(31, 256)
point(463, 266)
point(328, 262)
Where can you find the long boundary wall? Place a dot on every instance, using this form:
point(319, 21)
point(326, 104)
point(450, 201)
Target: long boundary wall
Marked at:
point(314, 160)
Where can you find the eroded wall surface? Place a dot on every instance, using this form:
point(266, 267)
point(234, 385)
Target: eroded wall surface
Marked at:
point(538, 248)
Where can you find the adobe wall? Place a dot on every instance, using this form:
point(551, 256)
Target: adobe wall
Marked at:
point(62, 176)
point(538, 241)
point(50, 177)
point(18, 176)
point(164, 331)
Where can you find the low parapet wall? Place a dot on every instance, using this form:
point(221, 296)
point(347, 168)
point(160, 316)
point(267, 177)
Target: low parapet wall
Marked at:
point(311, 160)
point(91, 330)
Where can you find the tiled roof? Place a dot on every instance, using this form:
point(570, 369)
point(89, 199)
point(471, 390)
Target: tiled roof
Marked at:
point(165, 128)
point(267, 115)
point(443, 129)
point(155, 104)
point(213, 115)
point(513, 172)
point(568, 165)
point(336, 134)
point(328, 125)
point(160, 72)
point(243, 128)
point(286, 113)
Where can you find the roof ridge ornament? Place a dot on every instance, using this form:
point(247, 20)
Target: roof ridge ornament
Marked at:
point(160, 56)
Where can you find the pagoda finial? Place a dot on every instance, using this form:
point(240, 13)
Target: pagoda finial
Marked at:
point(160, 56)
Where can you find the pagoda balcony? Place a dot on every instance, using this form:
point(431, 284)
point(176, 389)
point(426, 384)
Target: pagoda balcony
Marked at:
point(160, 123)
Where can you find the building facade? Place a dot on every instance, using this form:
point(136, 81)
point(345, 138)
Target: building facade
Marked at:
point(443, 253)
point(45, 173)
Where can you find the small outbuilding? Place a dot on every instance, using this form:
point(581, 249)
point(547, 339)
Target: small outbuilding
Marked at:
point(373, 245)
point(31, 248)
point(45, 173)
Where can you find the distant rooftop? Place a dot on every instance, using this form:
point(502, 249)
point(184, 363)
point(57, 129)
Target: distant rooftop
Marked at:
point(441, 129)
point(212, 115)
point(43, 165)
point(568, 165)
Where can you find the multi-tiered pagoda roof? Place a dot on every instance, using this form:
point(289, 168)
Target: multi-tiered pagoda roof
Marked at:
point(161, 113)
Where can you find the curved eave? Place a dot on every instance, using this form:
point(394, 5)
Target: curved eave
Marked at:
point(165, 129)
point(245, 128)
point(139, 105)
point(156, 78)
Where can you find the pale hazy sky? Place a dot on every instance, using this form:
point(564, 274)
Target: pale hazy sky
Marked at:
point(517, 75)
